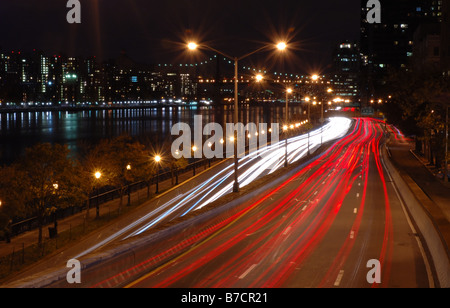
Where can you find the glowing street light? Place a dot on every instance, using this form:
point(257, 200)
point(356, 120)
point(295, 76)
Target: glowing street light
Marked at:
point(288, 91)
point(194, 46)
point(97, 176)
point(282, 46)
point(157, 159)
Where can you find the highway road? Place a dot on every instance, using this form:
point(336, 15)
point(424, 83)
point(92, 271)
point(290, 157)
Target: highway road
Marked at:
point(321, 228)
point(192, 195)
point(218, 182)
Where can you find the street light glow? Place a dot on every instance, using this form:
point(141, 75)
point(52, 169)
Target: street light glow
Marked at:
point(192, 46)
point(281, 46)
point(157, 158)
point(98, 175)
point(259, 78)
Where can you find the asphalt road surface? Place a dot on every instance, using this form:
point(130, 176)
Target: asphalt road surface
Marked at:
point(330, 225)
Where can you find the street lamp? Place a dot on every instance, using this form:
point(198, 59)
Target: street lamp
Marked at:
point(129, 187)
point(288, 91)
point(194, 149)
point(209, 159)
point(157, 160)
point(308, 100)
point(192, 46)
point(329, 91)
point(281, 46)
point(98, 176)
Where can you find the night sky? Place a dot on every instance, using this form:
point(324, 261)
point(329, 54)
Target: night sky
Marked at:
point(151, 31)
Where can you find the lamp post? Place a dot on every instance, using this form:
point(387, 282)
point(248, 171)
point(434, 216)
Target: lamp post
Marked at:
point(308, 100)
point(129, 186)
point(98, 176)
point(259, 78)
point(209, 159)
point(158, 162)
point(322, 119)
point(194, 149)
point(288, 91)
point(194, 46)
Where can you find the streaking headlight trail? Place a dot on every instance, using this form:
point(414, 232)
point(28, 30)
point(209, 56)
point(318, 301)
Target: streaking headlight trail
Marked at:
point(252, 167)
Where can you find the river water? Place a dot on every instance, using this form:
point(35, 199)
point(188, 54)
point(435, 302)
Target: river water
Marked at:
point(20, 130)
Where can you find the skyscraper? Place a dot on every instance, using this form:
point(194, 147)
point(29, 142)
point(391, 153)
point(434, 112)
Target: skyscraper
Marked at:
point(345, 75)
point(389, 44)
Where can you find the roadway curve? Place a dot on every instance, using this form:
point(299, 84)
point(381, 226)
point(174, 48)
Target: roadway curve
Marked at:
point(320, 228)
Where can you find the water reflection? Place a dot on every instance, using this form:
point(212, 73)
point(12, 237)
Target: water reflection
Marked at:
point(20, 130)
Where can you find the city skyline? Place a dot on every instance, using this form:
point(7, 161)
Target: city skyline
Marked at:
point(149, 31)
point(157, 116)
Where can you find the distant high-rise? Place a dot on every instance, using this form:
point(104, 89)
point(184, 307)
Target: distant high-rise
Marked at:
point(389, 44)
point(345, 74)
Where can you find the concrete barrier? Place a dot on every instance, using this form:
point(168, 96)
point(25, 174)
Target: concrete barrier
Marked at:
point(429, 227)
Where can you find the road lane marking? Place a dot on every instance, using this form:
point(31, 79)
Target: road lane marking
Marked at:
point(248, 271)
point(287, 230)
point(339, 278)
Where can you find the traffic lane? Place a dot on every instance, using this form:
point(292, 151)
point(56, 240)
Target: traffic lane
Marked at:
point(264, 161)
point(378, 238)
point(178, 276)
point(224, 256)
point(331, 244)
point(322, 268)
